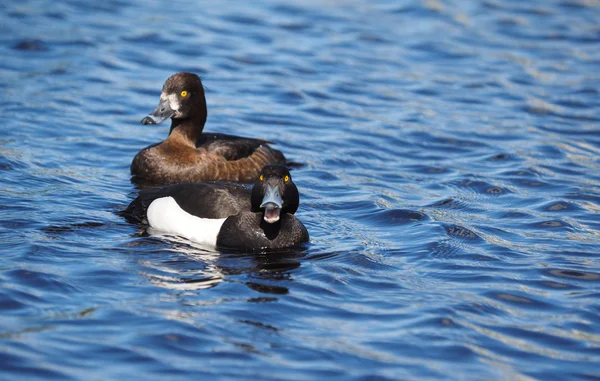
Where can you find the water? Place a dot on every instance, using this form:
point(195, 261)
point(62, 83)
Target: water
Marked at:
point(451, 187)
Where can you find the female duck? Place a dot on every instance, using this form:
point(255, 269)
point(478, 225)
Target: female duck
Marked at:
point(226, 215)
point(188, 155)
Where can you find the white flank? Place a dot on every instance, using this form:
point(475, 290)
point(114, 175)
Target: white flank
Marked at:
point(166, 215)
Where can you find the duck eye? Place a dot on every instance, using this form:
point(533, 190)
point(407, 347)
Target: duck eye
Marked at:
point(184, 94)
point(286, 179)
point(261, 178)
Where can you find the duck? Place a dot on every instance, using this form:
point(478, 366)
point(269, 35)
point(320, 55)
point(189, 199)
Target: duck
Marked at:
point(188, 155)
point(226, 215)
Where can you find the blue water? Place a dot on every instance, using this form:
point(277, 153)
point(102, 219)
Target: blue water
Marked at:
point(450, 184)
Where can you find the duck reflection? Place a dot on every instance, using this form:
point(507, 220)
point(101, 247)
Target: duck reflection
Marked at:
point(195, 267)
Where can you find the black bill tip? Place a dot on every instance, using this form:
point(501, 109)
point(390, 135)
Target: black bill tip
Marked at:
point(148, 120)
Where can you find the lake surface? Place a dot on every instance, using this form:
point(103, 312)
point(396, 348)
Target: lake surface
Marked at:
point(450, 181)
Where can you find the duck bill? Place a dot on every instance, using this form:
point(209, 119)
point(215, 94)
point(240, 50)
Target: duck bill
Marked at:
point(161, 113)
point(272, 203)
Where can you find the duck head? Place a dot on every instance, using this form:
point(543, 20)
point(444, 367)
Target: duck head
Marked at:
point(274, 193)
point(182, 98)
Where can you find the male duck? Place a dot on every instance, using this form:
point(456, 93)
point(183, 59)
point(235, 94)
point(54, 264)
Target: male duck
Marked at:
point(226, 215)
point(188, 155)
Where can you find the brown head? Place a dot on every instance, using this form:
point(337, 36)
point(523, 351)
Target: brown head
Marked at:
point(182, 99)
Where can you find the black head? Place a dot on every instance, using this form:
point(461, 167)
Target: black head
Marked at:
point(182, 98)
point(275, 193)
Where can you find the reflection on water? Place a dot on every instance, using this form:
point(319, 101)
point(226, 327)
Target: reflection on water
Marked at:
point(202, 268)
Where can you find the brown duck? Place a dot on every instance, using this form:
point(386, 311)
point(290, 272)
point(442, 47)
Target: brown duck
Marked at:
point(187, 154)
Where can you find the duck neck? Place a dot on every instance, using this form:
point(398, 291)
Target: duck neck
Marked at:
point(188, 129)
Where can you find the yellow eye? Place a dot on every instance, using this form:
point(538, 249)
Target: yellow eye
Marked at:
point(184, 93)
point(286, 178)
point(261, 178)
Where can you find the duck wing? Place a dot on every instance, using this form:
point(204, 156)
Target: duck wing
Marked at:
point(206, 200)
point(247, 169)
point(234, 158)
point(230, 147)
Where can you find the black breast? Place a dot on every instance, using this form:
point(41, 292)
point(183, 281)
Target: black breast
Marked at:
point(248, 231)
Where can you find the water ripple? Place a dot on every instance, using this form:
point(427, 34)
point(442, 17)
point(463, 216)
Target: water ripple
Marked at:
point(447, 158)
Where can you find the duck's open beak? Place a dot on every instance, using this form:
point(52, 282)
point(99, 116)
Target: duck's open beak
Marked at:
point(272, 203)
point(162, 112)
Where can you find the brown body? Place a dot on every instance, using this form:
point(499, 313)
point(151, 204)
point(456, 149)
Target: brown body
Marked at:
point(188, 155)
point(216, 157)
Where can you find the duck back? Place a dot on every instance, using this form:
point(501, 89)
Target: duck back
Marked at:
point(204, 200)
point(215, 157)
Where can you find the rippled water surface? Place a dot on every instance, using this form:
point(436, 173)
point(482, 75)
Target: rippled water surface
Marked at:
point(450, 182)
